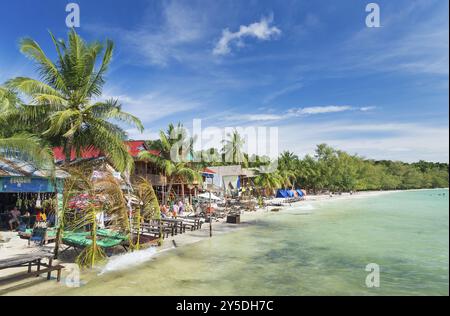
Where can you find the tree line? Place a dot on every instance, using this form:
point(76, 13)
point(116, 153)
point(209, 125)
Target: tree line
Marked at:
point(335, 170)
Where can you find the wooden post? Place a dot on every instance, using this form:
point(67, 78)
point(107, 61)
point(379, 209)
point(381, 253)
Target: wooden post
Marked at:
point(49, 273)
point(210, 215)
point(59, 219)
point(182, 192)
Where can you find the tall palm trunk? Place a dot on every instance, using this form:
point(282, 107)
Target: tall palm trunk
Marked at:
point(94, 239)
point(182, 190)
point(68, 149)
point(169, 189)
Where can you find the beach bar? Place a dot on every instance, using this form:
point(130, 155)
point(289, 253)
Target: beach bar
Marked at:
point(26, 186)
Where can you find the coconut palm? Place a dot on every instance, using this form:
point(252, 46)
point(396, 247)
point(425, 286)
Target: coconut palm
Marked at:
point(64, 102)
point(148, 205)
point(19, 143)
point(287, 177)
point(175, 149)
point(180, 171)
point(288, 160)
point(232, 149)
point(268, 181)
point(27, 147)
point(102, 196)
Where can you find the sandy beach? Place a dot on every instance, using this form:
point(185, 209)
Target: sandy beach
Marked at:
point(15, 245)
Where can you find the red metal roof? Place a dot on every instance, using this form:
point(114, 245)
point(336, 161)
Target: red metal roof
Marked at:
point(58, 152)
point(207, 170)
point(134, 147)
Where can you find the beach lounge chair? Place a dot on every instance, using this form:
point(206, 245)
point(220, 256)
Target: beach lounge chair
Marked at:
point(106, 239)
point(27, 233)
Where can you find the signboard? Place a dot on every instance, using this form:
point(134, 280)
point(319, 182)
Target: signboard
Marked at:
point(28, 184)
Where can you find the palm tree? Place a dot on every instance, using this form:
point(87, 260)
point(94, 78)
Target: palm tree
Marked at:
point(19, 143)
point(180, 171)
point(27, 147)
point(174, 148)
point(268, 181)
point(148, 208)
point(288, 160)
point(64, 103)
point(287, 178)
point(232, 149)
point(103, 195)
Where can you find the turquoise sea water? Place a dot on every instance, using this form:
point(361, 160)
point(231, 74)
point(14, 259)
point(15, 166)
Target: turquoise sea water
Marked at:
point(318, 249)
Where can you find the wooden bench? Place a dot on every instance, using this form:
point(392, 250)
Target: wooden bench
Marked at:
point(155, 230)
point(33, 259)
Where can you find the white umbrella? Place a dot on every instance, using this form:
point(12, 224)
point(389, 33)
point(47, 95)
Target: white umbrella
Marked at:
point(207, 196)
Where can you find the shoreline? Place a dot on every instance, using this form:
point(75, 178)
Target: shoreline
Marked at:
point(220, 227)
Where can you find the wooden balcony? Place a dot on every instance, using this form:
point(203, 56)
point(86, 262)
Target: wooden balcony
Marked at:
point(155, 179)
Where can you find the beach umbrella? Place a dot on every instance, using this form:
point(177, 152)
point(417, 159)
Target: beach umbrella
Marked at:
point(208, 196)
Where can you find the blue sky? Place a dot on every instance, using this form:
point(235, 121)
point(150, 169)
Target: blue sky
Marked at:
point(311, 68)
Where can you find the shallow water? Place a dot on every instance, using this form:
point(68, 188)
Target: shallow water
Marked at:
point(318, 249)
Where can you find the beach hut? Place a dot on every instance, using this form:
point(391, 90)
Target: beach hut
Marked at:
point(26, 186)
point(227, 178)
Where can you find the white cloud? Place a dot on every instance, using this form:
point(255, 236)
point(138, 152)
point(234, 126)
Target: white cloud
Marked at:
point(286, 90)
point(397, 141)
point(160, 39)
point(254, 117)
point(134, 133)
point(320, 110)
point(421, 49)
point(367, 108)
point(260, 30)
point(153, 106)
point(306, 111)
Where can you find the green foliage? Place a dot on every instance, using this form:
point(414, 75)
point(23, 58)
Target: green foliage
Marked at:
point(336, 171)
point(101, 196)
point(232, 150)
point(174, 159)
point(61, 109)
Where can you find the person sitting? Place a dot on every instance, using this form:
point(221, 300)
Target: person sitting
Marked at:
point(163, 210)
point(41, 216)
point(51, 219)
point(189, 208)
point(14, 215)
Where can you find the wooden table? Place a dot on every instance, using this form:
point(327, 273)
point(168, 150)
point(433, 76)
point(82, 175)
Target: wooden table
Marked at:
point(33, 259)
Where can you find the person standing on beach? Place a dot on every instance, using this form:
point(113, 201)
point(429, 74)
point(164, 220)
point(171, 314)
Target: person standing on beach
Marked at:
point(175, 210)
point(180, 208)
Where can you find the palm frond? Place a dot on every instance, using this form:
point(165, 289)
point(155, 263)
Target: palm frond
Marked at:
point(47, 69)
point(27, 147)
point(111, 109)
